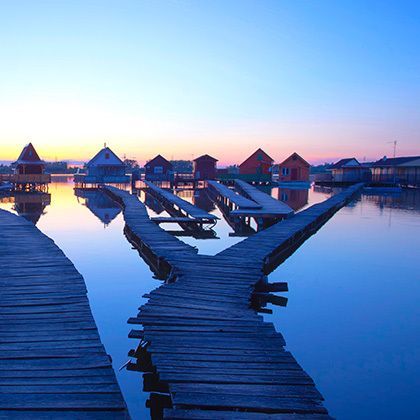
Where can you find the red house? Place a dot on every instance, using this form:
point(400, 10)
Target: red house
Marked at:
point(204, 167)
point(259, 163)
point(294, 168)
point(159, 169)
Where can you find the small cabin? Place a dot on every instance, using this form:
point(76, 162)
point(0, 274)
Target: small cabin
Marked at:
point(29, 170)
point(204, 167)
point(159, 169)
point(257, 167)
point(349, 170)
point(294, 169)
point(104, 167)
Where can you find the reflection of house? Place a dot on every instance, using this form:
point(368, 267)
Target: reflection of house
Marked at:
point(104, 167)
point(401, 170)
point(202, 200)
point(29, 170)
point(204, 167)
point(159, 169)
point(105, 209)
point(295, 198)
point(31, 206)
point(152, 203)
point(349, 170)
point(294, 168)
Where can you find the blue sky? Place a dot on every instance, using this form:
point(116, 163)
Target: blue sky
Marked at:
point(325, 78)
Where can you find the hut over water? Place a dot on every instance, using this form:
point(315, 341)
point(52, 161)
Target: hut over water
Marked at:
point(204, 167)
point(29, 170)
point(159, 169)
point(104, 168)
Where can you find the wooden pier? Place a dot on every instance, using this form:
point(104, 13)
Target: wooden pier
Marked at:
point(52, 361)
point(205, 351)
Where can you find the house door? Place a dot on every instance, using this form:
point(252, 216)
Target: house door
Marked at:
point(294, 174)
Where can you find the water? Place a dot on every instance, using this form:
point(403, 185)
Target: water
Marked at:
point(352, 316)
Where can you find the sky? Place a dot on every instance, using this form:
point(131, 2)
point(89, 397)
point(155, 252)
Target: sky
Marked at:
point(327, 79)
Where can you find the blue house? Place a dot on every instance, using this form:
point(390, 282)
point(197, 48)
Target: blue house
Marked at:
point(104, 168)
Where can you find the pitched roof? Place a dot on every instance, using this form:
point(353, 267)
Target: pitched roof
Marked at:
point(156, 159)
point(206, 157)
point(343, 162)
point(295, 155)
point(394, 161)
point(29, 155)
point(259, 150)
point(101, 158)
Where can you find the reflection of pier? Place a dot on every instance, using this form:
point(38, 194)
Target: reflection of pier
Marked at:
point(53, 362)
point(30, 205)
point(191, 218)
point(205, 351)
point(105, 209)
point(294, 197)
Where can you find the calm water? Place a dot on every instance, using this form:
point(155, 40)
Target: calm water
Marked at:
point(352, 316)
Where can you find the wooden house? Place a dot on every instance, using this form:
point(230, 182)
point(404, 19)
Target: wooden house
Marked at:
point(349, 170)
point(104, 168)
point(204, 167)
point(294, 169)
point(404, 171)
point(256, 168)
point(29, 170)
point(159, 169)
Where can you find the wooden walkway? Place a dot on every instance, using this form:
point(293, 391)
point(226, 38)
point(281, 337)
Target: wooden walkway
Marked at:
point(169, 199)
point(52, 361)
point(202, 344)
point(270, 207)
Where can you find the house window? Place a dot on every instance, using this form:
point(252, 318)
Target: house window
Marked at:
point(106, 155)
point(259, 157)
point(158, 170)
point(284, 196)
point(285, 171)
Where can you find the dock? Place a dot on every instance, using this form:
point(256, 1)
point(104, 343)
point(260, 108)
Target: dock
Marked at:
point(53, 364)
point(204, 349)
point(182, 207)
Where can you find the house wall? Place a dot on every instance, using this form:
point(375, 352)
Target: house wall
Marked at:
point(294, 170)
point(159, 171)
point(204, 169)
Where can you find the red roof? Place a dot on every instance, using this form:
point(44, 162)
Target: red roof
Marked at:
point(296, 156)
point(267, 159)
point(29, 155)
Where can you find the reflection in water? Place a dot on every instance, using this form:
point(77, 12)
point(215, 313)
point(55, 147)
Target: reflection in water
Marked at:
point(105, 209)
point(202, 200)
point(357, 270)
point(30, 205)
point(295, 198)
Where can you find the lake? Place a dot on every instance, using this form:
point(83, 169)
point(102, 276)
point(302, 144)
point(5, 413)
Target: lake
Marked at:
point(352, 315)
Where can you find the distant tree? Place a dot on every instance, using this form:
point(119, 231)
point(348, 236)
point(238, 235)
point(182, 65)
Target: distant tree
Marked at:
point(182, 166)
point(131, 165)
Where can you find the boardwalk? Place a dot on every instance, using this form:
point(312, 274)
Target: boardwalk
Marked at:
point(270, 207)
point(53, 364)
point(171, 200)
point(202, 344)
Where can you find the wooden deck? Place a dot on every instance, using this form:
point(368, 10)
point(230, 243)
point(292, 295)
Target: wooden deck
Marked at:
point(238, 200)
point(202, 344)
point(167, 198)
point(52, 361)
point(270, 207)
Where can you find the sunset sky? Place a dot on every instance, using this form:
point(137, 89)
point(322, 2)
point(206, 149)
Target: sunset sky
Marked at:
point(327, 79)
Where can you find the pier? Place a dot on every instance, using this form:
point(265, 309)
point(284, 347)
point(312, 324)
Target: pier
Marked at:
point(204, 349)
point(53, 364)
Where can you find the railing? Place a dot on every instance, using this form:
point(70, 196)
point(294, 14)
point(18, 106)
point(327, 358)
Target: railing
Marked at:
point(26, 178)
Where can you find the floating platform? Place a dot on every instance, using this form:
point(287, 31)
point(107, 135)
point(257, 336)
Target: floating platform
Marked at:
point(205, 350)
point(53, 364)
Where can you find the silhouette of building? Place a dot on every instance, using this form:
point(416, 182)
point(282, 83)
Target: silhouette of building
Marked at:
point(29, 170)
point(159, 169)
point(31, 206)
point(204, 167)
